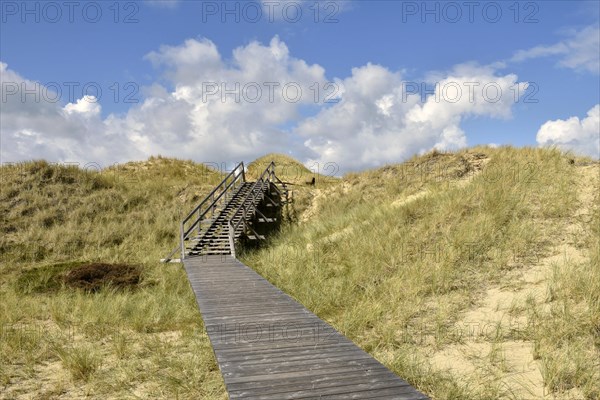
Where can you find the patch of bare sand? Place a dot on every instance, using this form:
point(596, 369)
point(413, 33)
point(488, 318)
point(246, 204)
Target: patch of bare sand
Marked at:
point(314, 205)
point(320, 196)
point(476, 163)
point(51, 380)
point(48, 380)
point(489, 347)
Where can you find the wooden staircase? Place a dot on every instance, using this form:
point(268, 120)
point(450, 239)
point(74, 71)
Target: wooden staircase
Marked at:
point(230, 214)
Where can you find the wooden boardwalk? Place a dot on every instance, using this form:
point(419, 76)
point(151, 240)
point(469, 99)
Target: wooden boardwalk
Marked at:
point(268, 346)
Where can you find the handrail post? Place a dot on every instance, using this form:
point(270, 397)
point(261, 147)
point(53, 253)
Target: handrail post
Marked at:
point(231, 239)
point(182, 238)
point(212, 208)
point(199, 221)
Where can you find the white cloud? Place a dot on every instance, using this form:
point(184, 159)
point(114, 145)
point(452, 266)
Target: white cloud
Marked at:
point(34, 128)
point(192, 60)
point(378, 122)
point(86, 106)
point(184, 122)
point(375, 122)
point(581, 136)
point(231, 109)
point(580, 51)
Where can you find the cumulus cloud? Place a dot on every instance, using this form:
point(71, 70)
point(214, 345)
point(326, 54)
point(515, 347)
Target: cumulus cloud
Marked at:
point(86, 106)
point(234, 108)
point(216, 108)
point(579, 135)
point(216, 111)
point(188, 62)
point(382, 118)
point(34, 126)
point(579, 51)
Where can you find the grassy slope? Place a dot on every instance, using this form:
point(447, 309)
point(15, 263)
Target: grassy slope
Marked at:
point(147, 343)
point(391, 257)
point(296, 176)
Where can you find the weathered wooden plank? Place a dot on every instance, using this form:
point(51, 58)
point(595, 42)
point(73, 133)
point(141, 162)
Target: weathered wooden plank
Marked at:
point(252, 334)
point(399, 393)
point(359, 362)
point(249, 348)
point(299, 391)
point(295, 363)
point(268, 346)
point(303, 383)
point(248, 311)
point(234, 301)
point(309, 374)
point(290, 356)
point(287, 354)
point(259, 317)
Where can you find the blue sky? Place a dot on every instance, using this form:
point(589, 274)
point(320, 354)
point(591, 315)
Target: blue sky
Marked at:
point(552, 45)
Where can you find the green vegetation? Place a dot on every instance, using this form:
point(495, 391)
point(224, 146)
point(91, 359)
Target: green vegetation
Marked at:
point(567, 328)
point(298, 178)
point(402, 259)
point(55, 340)
point(395, 258)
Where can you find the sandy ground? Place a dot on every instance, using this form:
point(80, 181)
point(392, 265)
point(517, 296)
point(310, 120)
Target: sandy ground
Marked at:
point(512, 362)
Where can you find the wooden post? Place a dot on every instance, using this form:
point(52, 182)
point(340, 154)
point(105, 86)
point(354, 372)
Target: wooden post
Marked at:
point(181, 230)
point(231, 239)
point(212, 207)
point(199, 222)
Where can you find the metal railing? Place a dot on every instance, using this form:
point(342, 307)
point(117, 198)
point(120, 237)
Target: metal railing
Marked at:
point(238, 220)
point(210, 204)
point(247, 208)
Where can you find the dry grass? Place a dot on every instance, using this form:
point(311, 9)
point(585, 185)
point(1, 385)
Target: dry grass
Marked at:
point(298, 179)
point(58, 341)
point(395, 258)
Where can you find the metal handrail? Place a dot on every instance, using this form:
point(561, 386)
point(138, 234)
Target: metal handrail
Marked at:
point(248, 204)
point(270, 169)
point(211, 206)
point(214, 190)
point(245, 205)
point(238, 174)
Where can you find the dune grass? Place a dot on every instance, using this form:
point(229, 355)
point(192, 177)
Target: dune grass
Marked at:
point(566, 330)
point(392, 258)
point(298, 179)
point(147, 342)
